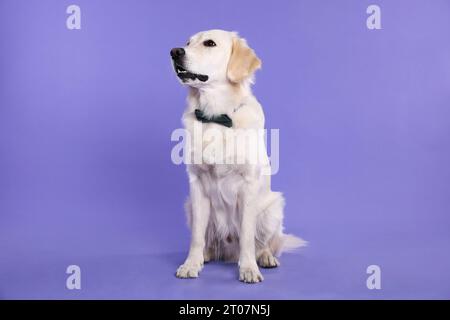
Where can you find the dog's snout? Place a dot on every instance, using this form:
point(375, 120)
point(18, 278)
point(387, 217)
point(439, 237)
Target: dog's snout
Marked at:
point(176, 53)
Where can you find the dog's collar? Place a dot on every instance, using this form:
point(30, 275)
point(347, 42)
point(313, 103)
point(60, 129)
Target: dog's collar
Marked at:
point(222, 119)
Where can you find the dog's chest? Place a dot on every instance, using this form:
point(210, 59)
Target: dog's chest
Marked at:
point(222, 184)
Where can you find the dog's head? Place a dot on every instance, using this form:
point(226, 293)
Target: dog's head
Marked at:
point(214, 56)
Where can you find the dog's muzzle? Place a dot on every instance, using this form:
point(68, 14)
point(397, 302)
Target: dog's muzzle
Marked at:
point(178, 55)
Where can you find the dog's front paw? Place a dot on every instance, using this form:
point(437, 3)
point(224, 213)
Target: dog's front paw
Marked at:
point(189, 270)
point(250, 274)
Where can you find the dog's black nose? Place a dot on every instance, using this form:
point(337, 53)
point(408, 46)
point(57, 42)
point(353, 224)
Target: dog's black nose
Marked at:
point(177, 53)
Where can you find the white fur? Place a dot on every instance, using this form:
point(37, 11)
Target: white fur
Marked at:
point(232, 212)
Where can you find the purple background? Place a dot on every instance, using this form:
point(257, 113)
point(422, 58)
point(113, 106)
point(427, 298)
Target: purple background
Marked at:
point(85, 123)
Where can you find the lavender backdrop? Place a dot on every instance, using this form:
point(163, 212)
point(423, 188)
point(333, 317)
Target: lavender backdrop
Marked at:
point(85, 123)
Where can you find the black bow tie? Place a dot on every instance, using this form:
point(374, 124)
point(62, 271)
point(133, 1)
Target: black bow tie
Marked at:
point(222, 119)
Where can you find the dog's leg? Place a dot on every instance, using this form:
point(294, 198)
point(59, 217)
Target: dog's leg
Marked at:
point(199, 222)
point(269, 229)
point(248, 268)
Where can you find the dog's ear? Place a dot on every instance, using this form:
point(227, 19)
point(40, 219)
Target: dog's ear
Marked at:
point(243, 61)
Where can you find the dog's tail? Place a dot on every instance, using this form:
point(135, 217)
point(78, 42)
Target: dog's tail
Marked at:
point(291, 242)
point(287, 243)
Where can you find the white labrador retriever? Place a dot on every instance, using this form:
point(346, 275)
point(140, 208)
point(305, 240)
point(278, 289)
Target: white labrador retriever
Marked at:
point(232, 212)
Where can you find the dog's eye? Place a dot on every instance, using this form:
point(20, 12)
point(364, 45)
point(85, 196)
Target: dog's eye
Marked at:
point(209, 43)
point(188, 43)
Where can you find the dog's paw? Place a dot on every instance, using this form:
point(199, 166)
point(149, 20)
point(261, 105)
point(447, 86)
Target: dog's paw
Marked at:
point(250, 275)
point(267, 260)
point(189, 270)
